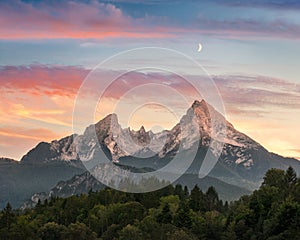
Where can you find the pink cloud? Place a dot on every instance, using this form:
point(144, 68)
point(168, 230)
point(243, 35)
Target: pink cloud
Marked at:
point(39, 96)
point(64, 81)
point(95, 20)
point(42, 80)
point(257, 95)
point(42, 97)
point(69, 19)
point(134, 79)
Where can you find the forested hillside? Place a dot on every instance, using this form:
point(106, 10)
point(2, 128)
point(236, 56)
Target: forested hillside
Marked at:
point(272, 212)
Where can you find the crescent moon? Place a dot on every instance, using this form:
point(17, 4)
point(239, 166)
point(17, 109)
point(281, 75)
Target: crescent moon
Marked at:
point(199, 47)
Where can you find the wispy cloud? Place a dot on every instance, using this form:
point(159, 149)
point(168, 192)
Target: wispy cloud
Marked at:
point(295, 150)
point(257, 95)
point(95, 20)
point(39, 134)
point(42, 97)
point(39, 96)
point(244, 94)
point(16, 141)
point(277, 4)
point(68, 19)
point(41, 79)
point(247, 28)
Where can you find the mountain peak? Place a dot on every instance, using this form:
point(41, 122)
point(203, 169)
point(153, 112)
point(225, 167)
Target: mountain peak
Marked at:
point(109, 117)
point(107, 121)
point(142, 130)
point(201, 109)
point(198, 103)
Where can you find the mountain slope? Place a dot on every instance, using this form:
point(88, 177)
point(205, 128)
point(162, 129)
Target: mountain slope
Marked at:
point(18, 181)
point(39, 170)
point(85, 182)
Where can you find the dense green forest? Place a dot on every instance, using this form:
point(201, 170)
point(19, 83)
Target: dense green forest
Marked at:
point(272, 212)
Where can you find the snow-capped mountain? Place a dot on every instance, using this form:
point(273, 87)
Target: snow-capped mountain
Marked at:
point(144, 144)
point(243, 162)
point(241, 157)
point(122, 143)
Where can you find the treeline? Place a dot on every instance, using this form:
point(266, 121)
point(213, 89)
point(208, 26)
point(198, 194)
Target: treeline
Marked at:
point(272, 212)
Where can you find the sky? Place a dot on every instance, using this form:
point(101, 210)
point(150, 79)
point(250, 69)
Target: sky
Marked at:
point(251, 51)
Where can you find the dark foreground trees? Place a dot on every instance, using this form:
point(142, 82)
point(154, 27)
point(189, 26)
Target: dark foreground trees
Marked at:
point(270, 213)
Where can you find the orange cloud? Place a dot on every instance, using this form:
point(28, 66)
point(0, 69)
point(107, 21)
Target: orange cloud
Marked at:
point(17, 141)
point(39, 134)
point(39, 96)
